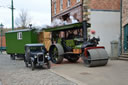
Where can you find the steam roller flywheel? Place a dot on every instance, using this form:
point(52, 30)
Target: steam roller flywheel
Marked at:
point(96, 57)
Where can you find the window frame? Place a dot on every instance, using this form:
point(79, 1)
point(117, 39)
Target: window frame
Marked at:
point(19, 36)
point(61, 5)
point(55, 8)
point(69, 3)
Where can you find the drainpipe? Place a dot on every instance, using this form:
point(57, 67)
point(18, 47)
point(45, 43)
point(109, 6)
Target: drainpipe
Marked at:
point(120, 27)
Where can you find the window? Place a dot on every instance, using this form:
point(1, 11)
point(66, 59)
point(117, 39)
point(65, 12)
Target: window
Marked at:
point(61, 4)
point(55, 8)
point(19, 35)
point(69, 3)
point(78, 0)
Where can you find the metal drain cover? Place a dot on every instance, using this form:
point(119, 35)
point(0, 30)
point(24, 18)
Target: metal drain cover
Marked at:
point(84, 73)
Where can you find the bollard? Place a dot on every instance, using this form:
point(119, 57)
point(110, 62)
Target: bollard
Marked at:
point(114, 50)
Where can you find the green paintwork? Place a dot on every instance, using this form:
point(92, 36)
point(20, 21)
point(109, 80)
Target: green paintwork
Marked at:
point(70, 43)
point(17, 46)
point(59, 40)
point(78, 46)
point(65, 27)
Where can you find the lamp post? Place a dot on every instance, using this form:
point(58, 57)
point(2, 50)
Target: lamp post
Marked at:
point(12, 8)
point(1, 28)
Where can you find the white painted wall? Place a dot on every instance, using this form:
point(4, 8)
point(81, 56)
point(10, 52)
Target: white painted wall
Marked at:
point(107, 27)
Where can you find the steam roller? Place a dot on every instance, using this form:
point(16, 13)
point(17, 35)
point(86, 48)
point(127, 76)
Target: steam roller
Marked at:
point(95, 56)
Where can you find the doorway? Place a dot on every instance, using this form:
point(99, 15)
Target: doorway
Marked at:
point(126, 39)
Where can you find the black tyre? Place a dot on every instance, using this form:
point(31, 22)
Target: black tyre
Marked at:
point(12, 57)
point(48, 65)
point(54, 54)
point(73, 58)
point(32, 65)
point(26, 63)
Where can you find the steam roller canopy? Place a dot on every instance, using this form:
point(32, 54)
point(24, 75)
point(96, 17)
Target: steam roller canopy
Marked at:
point(96, 57)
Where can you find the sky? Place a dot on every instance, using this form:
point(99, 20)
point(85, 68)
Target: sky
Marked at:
point(38, 10)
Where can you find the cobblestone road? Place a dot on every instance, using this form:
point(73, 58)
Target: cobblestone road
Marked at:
point(14, 72)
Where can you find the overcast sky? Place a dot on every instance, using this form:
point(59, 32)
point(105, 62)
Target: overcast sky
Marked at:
point(39, 11)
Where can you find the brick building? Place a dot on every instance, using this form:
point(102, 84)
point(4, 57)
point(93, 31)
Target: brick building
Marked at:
point(124, 31)
point(104, 17)
point(63, 9)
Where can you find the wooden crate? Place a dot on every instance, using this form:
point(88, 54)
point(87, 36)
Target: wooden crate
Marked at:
point(45, 38)
point(47, 35)
point(47, 43)
point(40, 37)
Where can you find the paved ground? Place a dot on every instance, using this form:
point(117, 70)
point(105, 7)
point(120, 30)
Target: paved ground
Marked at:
point(115, 73)
point(13, 72)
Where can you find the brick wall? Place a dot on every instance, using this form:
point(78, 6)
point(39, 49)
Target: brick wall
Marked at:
point(94, 4)
point(124, 19)
point(105, 4)
point(73, 3)
point(124, 12)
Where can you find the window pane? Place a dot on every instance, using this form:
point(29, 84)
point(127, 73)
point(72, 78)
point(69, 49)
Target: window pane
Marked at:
point(69, 3)
point(61, 4)
point(78, 0)
point(19, 35)
point(55, 8)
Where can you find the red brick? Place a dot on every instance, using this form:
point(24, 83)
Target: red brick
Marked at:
point(105, 4)
point(3, 41)
point(94, 4)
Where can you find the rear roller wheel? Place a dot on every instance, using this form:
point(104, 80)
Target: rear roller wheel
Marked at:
point(54, 54)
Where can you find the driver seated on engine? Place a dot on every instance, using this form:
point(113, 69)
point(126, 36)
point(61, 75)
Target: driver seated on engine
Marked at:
point(63, 42)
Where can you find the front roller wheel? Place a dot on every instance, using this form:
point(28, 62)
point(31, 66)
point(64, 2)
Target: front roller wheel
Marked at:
point(55, 57)
point(95, 57)
point(87, 60)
